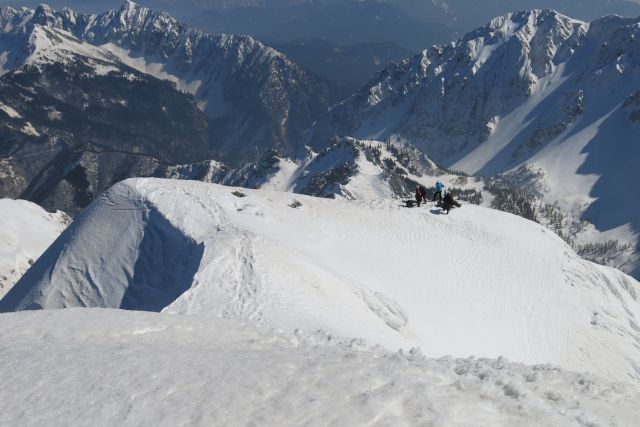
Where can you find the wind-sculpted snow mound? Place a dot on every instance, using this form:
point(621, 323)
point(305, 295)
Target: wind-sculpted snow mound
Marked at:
point(120, 253)
point(150, 369)
point(477, 281)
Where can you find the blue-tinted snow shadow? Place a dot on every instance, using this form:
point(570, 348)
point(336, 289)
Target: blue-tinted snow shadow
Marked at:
point(540, 116)
point(165, 268)
point(612, 155)
point(615, 158)
point(545, 114)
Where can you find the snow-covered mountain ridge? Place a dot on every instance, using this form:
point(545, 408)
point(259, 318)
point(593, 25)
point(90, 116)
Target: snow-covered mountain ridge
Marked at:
point(348, 168)
point(366, 170)
point(478, 281)
point(520, 58)
point(531, 89)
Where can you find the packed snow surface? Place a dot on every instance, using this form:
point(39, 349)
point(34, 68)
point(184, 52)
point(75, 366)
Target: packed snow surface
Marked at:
point(26, 230)
point(83, 367)
point(475, 282)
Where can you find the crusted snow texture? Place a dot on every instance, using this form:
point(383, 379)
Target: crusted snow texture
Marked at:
point(133, 368)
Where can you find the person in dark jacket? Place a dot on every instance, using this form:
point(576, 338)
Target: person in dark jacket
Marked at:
point(420, 195)
point(448, 203)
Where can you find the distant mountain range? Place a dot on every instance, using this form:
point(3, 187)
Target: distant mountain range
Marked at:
point(414, 24)
point(342, 22)
point(87, 100)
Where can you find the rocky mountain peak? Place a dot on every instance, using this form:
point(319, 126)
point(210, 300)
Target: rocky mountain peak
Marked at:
point(44, 15)
point(127, 24)
point(537, 40)
point(132, 16)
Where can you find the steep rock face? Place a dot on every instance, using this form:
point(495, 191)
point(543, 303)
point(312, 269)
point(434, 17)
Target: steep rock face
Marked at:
point(255, 96)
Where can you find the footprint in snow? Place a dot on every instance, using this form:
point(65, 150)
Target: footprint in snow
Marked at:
point(386, 309)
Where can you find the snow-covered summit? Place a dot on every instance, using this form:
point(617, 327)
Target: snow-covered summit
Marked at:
point(475, 282)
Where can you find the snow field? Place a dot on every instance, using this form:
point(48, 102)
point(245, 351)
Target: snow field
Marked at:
point(110, 367)
point(477, 282)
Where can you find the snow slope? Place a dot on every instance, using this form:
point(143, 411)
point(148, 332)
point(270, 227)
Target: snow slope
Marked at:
point(478, 281)
point(26, 230)
point(106, 367)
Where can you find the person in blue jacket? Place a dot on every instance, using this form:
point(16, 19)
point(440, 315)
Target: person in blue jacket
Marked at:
point(438, 193)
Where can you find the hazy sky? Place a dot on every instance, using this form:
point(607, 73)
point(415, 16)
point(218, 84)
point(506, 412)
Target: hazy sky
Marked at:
point(345, 24)
point(460, 7)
